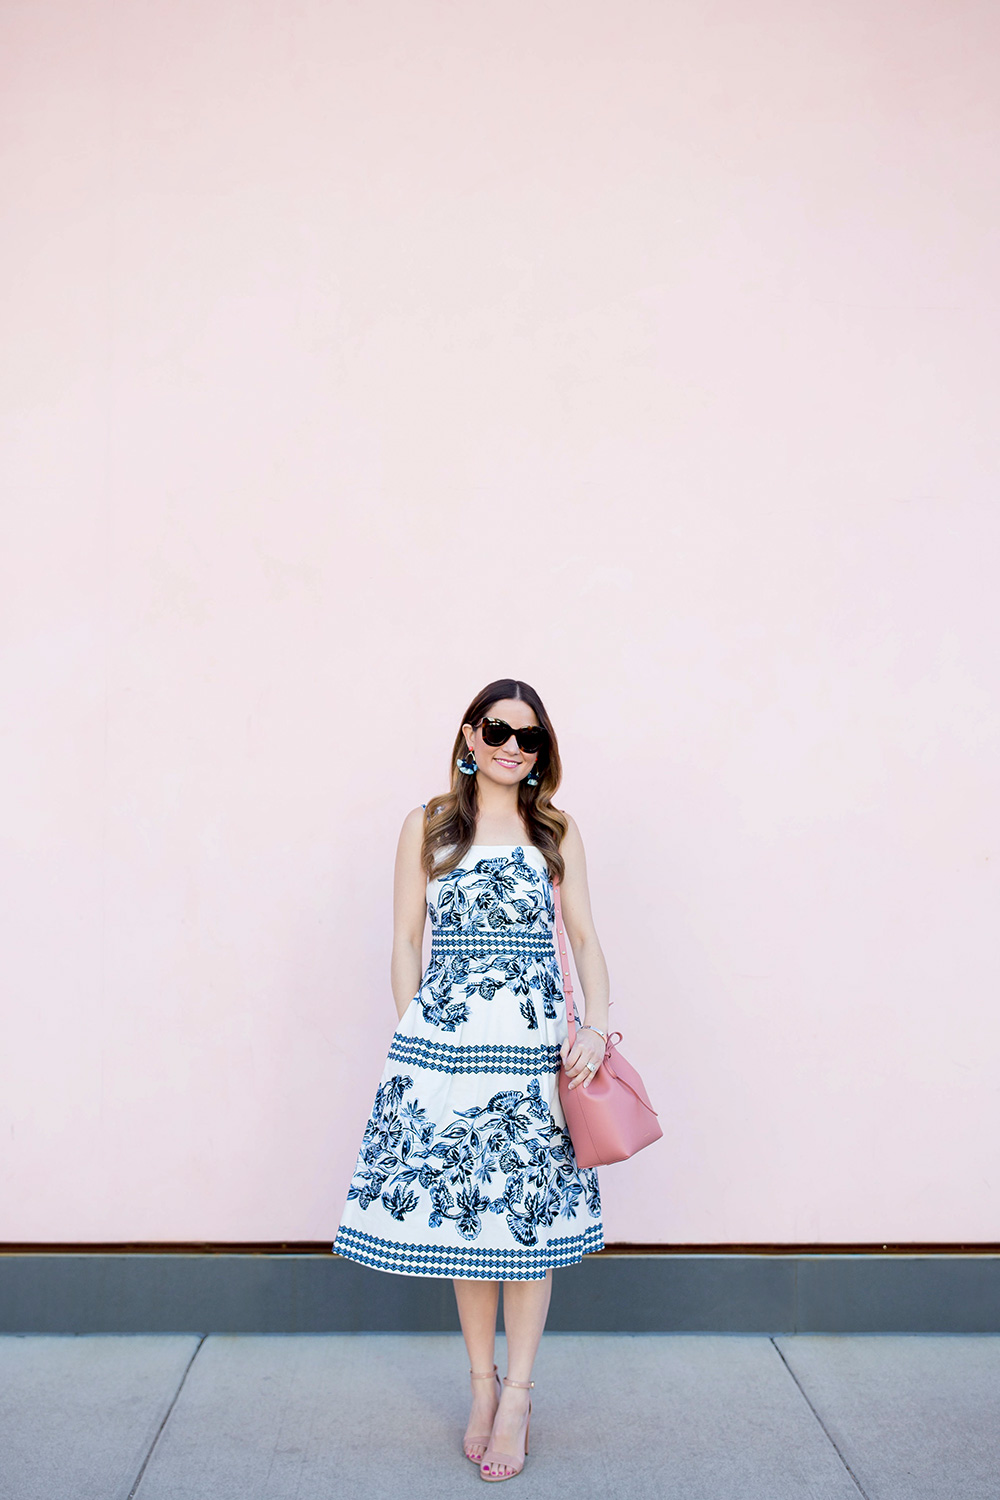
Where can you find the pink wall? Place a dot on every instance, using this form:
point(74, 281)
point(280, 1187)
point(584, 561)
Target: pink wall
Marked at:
point(357, 354)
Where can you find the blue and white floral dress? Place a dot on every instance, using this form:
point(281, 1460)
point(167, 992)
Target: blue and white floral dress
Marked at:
point(466, 1167)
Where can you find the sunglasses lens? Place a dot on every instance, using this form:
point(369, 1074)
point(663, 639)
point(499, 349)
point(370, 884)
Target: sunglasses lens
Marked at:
point(531, 740)
point(496, 732)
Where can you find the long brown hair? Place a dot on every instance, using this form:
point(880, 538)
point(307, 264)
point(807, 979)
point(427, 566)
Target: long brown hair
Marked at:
point(450, 827)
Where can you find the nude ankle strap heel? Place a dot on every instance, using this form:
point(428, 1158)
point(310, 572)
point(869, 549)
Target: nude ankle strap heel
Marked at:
point(512, 1461)
point(481, 1440)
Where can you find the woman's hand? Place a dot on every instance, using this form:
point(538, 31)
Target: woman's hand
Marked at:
point(588, 1048)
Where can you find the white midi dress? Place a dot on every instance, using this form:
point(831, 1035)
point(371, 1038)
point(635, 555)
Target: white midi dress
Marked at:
point(466, 1167)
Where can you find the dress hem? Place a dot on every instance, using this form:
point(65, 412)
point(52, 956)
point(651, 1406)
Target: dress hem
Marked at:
point(467, 1262)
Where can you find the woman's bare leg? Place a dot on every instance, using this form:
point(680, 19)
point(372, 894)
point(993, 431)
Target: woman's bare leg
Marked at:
point(477, 1313)
point(525, 1308)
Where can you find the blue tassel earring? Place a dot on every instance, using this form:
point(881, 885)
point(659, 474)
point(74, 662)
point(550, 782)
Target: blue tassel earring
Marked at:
point(467, 764)
point(531, 780)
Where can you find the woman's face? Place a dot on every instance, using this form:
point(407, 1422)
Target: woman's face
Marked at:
point(508, 763)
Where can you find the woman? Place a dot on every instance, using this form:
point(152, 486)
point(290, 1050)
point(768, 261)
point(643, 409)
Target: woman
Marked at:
point(466, 1168)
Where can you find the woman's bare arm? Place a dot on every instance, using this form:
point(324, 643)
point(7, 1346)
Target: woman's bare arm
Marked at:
point(590, 964)
point(409, 912)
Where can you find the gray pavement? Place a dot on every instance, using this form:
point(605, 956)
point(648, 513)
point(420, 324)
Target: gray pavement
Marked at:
point(698, 1416)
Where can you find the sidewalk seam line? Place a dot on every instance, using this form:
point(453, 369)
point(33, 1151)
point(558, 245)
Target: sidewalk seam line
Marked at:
point(166, 1418)
point(826, 1432)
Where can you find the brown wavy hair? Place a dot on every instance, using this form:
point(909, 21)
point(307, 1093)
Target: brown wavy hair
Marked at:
point(450, 825)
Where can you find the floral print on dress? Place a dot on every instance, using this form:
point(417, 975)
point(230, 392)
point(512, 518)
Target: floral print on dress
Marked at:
point(497, 898)
point(496, 895)
point(508, 1156)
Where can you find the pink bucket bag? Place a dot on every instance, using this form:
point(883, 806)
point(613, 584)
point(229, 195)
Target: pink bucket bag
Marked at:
point(611, 1119)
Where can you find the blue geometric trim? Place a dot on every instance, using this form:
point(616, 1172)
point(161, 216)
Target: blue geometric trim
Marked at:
point(484, 1057)
point(475, 944)
point(467, 1260)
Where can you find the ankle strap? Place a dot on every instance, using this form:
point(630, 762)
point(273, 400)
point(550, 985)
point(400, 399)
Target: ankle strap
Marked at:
point(522, 1385)
point(477, 1376)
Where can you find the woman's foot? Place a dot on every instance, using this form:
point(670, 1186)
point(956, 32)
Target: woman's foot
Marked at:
point(509, 1440)
point(485, 1398)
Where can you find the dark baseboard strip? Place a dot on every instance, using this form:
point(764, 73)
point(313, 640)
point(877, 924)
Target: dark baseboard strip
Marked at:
point(216, 1291)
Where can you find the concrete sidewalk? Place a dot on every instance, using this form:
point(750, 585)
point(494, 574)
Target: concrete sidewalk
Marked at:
point(315, 1416)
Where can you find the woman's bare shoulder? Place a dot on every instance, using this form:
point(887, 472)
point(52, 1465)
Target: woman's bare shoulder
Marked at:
point(571, 846)
point(412, 831)
point(572, 833)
